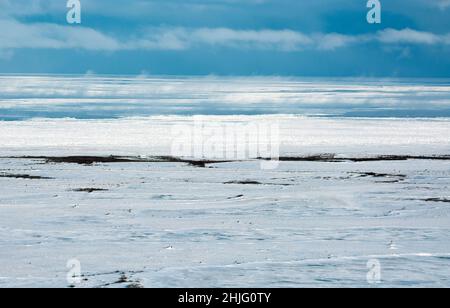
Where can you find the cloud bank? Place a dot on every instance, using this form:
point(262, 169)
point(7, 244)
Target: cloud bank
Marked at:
point(17, 35)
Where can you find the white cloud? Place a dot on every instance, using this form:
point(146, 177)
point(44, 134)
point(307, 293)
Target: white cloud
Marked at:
point(265, 39)
point(17, 35)
point(408, 36)
point(335, 40)
point(182, 38)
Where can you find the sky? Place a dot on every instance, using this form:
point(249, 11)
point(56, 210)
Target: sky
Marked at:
point(323, 38)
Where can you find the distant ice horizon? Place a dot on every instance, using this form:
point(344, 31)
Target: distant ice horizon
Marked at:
point(24, 97)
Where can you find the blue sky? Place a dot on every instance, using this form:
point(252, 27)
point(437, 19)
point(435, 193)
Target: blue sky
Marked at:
point(227, 37)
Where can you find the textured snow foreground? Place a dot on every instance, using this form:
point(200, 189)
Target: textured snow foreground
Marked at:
point(172, 224)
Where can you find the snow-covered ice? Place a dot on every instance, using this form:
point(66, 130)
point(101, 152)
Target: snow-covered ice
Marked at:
point(229, 224)
point(155, 135)
point(174, 225)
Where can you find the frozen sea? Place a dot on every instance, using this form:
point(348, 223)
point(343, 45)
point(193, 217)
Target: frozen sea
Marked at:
point(363, 179)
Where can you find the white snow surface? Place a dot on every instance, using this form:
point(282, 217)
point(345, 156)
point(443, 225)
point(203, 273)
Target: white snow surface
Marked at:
point(174, 225)
point(306, 224)
point(156, 135)
point(232, 224)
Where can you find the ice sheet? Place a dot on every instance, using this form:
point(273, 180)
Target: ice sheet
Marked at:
point(231, 224)
point(156, 135)
point(174, 225)
point(94, 97)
